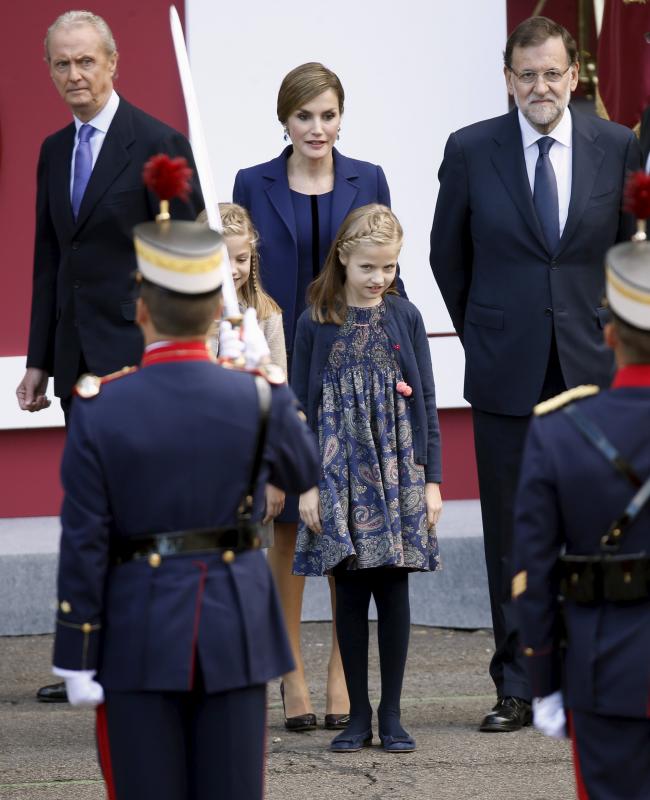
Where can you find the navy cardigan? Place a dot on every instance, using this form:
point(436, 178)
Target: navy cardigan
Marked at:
point(405, 331)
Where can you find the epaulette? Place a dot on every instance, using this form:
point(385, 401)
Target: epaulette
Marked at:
point(90, 385)
point(564, 398)
point(274, 374)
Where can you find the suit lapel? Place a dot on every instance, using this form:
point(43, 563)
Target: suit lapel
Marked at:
point(60, 178)
point(510, 164)
point(345, 191)
point(278, 191)
point(587, 158)
point(112, 160)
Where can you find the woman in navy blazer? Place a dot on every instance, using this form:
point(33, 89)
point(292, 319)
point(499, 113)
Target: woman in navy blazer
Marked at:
point(297, 202)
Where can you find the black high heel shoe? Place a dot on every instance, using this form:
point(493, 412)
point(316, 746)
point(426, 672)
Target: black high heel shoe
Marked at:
point(303, 722)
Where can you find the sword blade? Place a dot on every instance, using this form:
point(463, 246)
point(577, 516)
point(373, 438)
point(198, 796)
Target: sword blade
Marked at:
point(201, 158)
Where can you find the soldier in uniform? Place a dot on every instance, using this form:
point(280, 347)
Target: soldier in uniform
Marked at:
point(168, 620)
point(582, 553)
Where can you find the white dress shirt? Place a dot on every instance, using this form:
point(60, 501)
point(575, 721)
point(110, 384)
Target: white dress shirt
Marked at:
point(561, 155)
point(101, 122)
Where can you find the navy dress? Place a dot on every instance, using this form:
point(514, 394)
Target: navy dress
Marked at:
point(313, 218)
point(313, 213)
point(371, 489)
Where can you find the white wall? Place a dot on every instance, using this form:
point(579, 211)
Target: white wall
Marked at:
point(412, 71)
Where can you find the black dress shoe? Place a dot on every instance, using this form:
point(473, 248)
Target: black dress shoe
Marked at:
point(53, 693)
point(303, 722)
point(509, 714)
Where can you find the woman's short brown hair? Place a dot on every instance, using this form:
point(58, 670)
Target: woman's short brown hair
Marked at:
point(304, 83)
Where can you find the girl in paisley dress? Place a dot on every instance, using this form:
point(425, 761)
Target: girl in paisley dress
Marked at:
point(362, 370)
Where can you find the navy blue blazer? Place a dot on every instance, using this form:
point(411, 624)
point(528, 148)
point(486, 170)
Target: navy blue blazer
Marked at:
point(406, 333)
point(505, 292)
point(264, 191)
point(568, 497)
point(84, 289)
point(167, 448)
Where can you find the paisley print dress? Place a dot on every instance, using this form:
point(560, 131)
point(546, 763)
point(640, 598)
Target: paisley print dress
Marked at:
point(371, 489)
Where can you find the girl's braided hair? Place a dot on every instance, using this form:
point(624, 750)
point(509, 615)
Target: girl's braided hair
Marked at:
point(373, 224)
point(237, 222)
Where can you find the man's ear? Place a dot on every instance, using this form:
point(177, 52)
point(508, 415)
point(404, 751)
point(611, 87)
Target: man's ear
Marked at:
point(610, 335)
point(507, 74)
point(141, 312)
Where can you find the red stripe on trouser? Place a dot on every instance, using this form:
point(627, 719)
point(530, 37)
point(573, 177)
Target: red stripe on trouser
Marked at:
point(264, 751)
point(581, 789)
point(103, 745)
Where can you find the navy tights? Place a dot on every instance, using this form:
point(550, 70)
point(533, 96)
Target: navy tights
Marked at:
point(389, 587)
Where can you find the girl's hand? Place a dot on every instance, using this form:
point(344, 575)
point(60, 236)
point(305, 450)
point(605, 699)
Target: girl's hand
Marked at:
point(433, 502)
point(309, 509)
point(274, 502)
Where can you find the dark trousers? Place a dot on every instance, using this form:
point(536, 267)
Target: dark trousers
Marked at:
point(499, 441)
point(611, 756)
point(66, 402)
point(183, 745)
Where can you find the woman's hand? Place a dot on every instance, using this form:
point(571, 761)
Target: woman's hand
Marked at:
point(433, 502)
point(274, 502)
point(309, 509)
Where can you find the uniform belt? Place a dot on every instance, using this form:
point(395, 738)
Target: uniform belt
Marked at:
point(588, 580)
point(202, 540)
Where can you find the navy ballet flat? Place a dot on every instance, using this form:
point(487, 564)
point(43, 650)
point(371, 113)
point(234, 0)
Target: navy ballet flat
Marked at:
point(397, 744)
point(351, 743)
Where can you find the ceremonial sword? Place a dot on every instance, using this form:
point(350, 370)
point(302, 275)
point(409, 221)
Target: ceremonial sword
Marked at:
point(202, 160)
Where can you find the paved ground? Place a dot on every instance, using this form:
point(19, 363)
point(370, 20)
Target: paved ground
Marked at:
point(47, 752)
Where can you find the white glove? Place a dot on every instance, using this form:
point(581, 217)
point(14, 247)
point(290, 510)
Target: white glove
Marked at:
point(230, 345)
point(82, 690)
point(549, 716)
point(256, 348)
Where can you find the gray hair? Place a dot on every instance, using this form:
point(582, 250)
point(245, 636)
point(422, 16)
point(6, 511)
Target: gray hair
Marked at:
point(71, 18)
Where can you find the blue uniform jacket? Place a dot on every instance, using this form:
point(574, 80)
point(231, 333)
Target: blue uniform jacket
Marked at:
point(405, 331)
point(169, 448)
point(568, 496)
point(264, 191)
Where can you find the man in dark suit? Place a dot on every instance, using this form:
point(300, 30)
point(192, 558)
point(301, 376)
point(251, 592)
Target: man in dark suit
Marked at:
point(167, 609)
point(528, 204)
point(89, 197)
point(586, 457)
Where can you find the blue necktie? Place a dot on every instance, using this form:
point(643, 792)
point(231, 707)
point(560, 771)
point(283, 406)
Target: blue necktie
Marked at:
point(83, 166)
point(545, 194)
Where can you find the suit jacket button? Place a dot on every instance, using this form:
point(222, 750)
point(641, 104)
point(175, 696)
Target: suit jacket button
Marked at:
point(75, 245)
point(228, 557)
point(548, 312)
point(77, 285)
point(155, 560)
point(554, 264)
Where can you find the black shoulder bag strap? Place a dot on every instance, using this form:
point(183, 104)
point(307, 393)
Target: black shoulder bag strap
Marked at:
point(597, 438)
point(612, 539)
point(264, 399)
